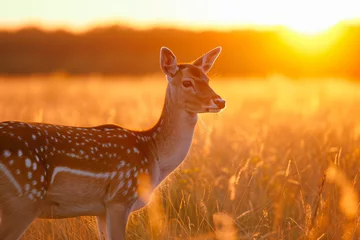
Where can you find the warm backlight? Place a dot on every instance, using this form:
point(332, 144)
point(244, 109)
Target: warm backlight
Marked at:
point(305, 16)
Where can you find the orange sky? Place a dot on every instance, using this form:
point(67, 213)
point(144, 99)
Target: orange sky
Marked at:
point(308, 16)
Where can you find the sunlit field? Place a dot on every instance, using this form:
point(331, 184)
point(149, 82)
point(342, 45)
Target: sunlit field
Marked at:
point(282, 161)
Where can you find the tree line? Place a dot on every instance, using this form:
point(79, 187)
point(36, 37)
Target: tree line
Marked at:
point(114, 50)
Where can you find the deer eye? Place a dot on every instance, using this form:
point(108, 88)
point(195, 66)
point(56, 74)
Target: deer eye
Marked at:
point(187, 84)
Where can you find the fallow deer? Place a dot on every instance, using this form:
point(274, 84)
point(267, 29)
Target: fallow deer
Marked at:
point(54, 171)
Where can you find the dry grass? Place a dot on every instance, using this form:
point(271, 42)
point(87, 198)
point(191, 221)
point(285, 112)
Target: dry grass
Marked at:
point(281, 162)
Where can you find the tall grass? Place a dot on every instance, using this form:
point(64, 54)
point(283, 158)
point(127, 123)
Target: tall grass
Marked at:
point(281, 162)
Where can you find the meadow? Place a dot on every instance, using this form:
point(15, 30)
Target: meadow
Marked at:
point(282, 161)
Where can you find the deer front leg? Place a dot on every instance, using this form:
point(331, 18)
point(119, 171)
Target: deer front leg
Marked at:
point(102, 227)
point(116, 219)
point(16, 214)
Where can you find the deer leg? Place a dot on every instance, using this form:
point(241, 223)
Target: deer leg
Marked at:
point(15, 217)
point(101, 220)
point(116, 218)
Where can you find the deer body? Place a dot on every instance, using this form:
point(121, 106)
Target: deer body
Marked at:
point(52, 171)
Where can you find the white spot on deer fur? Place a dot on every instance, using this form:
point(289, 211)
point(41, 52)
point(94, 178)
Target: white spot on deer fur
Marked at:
point(17, 171)
point(20, 153)
point(34, 182)
point(27, 187)
point(29, 174)
point(31, 196)
point(129, 183)
point(11, 162)
point(128, 174)
point(11, 178)
point(7, 153)
point(27, 162)
point(33, 136)
point(42, 178)
point(34, 166)
point(154, 135)
point(128, 151)
point(136, 150)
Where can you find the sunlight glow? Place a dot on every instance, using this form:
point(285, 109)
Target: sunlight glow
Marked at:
point(315, 41)
point(304, 16)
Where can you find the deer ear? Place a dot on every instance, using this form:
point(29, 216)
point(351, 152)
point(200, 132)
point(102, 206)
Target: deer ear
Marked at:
point(206, 61)
point(168, 62)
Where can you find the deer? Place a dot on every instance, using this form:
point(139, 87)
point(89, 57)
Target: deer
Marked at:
point(56, 171)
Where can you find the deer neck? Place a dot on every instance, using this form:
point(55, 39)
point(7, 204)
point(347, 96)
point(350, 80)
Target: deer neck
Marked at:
point(172, 134)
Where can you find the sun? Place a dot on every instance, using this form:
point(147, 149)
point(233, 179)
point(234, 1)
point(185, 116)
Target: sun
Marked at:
point(310, 27)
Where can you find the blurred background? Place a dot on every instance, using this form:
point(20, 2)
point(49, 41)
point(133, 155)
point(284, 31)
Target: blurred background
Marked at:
point(259, 38)
point(282, 161)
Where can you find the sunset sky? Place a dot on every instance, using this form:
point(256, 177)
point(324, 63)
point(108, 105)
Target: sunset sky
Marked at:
point(309, 16)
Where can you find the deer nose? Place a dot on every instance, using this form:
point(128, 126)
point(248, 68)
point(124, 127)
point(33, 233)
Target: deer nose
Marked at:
point(220, 102)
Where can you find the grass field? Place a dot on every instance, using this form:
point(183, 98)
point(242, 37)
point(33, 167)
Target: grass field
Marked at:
point(255, 171)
